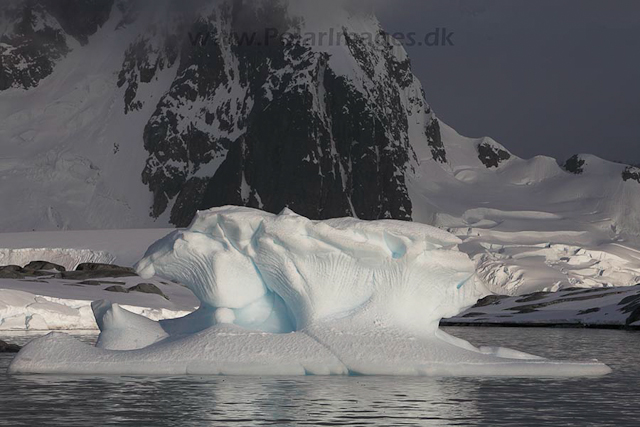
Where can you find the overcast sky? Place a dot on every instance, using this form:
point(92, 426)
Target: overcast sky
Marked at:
point(554, 77)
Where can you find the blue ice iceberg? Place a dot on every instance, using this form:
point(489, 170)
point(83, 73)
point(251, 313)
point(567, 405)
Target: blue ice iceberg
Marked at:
point(284, 295)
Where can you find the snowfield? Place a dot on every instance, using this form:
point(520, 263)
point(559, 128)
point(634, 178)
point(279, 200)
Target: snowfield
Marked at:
point(24, 311)
point(47, 303)
point(528, 224)
point(57, 304)
point(284, 295)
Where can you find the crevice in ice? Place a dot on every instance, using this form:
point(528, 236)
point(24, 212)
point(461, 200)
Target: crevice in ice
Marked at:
point(395, 244)
point(464, 282)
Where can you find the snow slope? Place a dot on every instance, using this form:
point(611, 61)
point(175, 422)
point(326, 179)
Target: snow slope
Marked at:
point(284, 295)
point(605, 307)
point(70, 158)
point(58, 304)
point(61, 304)
point(44, 303)
point(530, 225)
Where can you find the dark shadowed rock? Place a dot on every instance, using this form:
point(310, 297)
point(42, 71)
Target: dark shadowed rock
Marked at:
point(147, 288)
point(536, 296)
point(11, 272)
point(42, 266)
point(97, 271)
point(17, 272)
point(632, 306)
point(10, 275)
point(344, 152)
point(580, 291)
point(574, 165)
point(491, 156)
point(100, 282)
point(117, 288)
point(588, 311)
point(474, 314)
point(41, 35)
point(90, 283)
point(92, 266)
point(630, 301)
point(634, 316)
point(15, 268)
point(92, 274)
point(8, 348)
point(490, 300)
point(631, 173)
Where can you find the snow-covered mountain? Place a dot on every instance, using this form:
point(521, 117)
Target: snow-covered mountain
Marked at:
point(161, 112)
point(129, 114)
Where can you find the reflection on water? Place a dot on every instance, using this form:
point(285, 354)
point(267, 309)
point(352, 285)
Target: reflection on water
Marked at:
point(282, 401)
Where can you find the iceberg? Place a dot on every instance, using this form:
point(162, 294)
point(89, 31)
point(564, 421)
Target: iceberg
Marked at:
point(285, 295)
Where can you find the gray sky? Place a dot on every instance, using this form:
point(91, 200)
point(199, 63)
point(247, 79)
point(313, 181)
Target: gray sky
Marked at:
point(554, 77)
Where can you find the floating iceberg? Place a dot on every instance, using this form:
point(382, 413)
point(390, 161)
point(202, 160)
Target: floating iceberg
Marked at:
point(284, 295)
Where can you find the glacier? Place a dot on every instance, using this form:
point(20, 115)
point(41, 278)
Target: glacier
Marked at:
point(285, 295)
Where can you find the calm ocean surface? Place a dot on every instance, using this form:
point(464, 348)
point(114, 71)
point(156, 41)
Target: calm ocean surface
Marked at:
point(347, 401)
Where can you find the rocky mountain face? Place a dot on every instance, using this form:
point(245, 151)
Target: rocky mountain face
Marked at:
point(261, 115)
point(38, 33)
point(275, 123)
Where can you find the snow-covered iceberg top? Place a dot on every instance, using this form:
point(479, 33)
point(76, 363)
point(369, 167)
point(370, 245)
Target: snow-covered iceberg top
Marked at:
point(281, 294)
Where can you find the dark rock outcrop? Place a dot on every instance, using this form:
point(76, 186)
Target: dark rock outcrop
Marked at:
point(116, 288)
point(29, 271)
point(99, 282)
point(38, 38)
point(92, 266)
point(574, 165)
point(492, 156)
point(96, 274)
point(631, 173)
point(147, 288)
point(631, 305)
point(285, 128)
point(588, 311)
point(490, 300)
point(434, 138)
point(8, 348)
point(11, 272)
point(96, 271)
point(43, 266)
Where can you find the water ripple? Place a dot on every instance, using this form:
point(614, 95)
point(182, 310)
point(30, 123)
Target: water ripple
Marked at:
point(347, 401)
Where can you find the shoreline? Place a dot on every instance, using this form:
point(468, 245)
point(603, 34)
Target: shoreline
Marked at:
point(539, 325)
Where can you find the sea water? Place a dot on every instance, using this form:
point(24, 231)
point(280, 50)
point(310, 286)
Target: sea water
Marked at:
point(288, 401)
